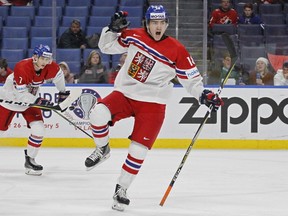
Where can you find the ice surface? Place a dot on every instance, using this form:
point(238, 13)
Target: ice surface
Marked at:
point(211, 183)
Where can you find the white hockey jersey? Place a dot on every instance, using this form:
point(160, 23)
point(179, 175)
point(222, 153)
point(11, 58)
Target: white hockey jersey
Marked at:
point(151, 65)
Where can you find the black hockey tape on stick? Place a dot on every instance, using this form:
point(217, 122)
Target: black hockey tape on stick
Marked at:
point(72, 123)
point(74, 94)
point(232, 51)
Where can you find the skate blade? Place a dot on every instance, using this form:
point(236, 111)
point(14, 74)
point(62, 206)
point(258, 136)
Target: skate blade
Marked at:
point(118, 206)
point(33, 172)
point(101, 161)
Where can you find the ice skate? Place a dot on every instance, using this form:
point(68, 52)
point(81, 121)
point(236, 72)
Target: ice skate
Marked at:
point(32, 168)
point(98, 156)
point(120, 198)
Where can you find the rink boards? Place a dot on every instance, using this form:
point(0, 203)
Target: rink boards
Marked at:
point(252, 118)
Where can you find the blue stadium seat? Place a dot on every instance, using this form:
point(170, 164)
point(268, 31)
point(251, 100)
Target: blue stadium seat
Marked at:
point(61, 30)
point(47, 11)
point(278, 40)
point(11, 64)
point(37, 3)
point(15, 43)
point(273, 19)
point(101, 3)
point(13, 55)
point(76, 11)
point(66, 21)
point(23, 11)
point(43, 21)
point(251, 40)
point(285, 8)
point(270, 9)
point(102, 11)
point(36, 31)
point(14, 32)
point(115, 60)
point(279, 29)
point(133, 11)
point(136, 22)
point(61, 3)
point(139, 3)
point(91, 30)
point(244, 29)
point(79, 3)
point(99, 21)
point(35, 41)
point(68, 55)
point(18, 21)
point(218, 41)
point(4, 12)
point(252, 52)
point(75, 66)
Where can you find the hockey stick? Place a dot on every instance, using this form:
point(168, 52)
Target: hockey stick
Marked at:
point(231, 49)
point(59, 107)
point(72, 123)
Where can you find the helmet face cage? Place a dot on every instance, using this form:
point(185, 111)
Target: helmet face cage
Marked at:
point(156, 12)
point(43, 50)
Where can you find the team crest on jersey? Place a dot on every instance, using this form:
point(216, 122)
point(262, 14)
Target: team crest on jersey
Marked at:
point(141, 67)
point(83, 105)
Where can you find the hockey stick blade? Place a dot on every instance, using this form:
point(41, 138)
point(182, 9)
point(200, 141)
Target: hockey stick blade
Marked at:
point(232, 51)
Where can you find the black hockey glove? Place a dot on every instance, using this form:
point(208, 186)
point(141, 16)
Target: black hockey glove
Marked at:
point(119, 22)
point(43, 102)
point(62, 96)
point(210, 98)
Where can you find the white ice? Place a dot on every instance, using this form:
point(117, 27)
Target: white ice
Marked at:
point(211, 183)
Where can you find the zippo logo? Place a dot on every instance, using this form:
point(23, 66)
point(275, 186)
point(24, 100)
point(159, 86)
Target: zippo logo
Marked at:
point(157, 16)
point(255, 104)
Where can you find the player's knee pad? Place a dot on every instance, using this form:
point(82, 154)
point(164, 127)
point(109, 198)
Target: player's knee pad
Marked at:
point(137, 150)
point(100, 115)
point(37, 128)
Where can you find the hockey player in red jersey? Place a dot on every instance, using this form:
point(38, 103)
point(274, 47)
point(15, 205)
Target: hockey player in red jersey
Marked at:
point(23, 86)
point(142, 88)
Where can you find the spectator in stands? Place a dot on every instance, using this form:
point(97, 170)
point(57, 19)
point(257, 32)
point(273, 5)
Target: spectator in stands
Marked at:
point(93, 71)
point(224, 14)
point(114, 72)
point(217, 76)
point(5, 71)
point(281, 78)
point(248, 16)
point(261, 75)
point(73, 37)
point(69, 77)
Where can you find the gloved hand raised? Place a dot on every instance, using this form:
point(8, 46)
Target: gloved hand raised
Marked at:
point(210, 98)
point(62, 96)
point(119, 22)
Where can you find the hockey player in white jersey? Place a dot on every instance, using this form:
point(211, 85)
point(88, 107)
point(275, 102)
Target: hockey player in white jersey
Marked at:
point(141, 90)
